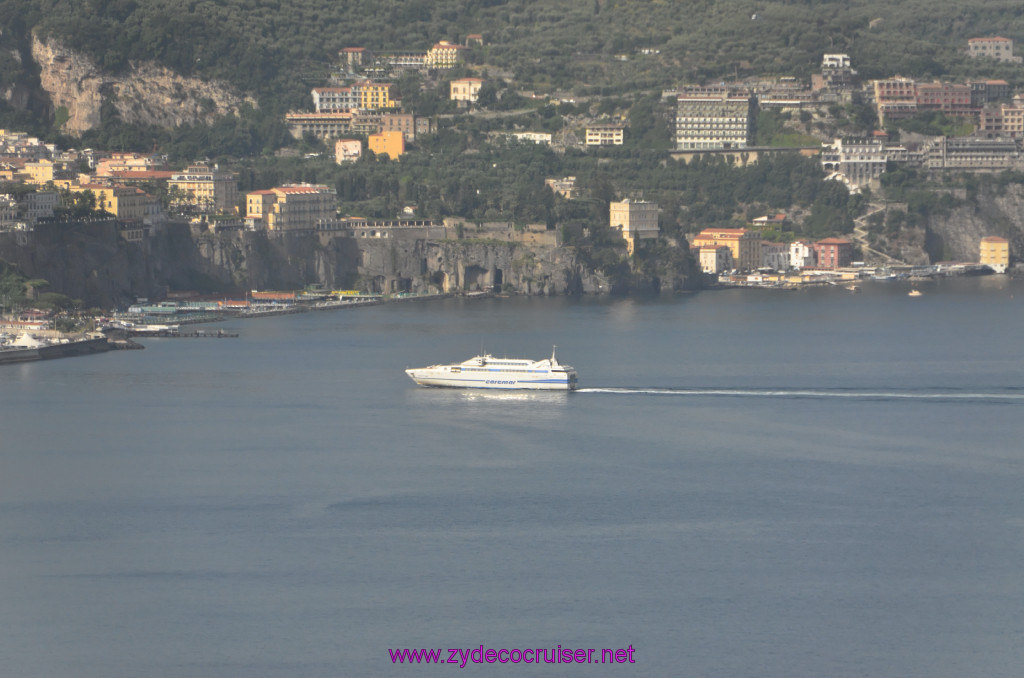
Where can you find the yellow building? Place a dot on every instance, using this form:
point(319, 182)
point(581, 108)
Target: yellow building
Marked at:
point(635, 219)
point(290, 207)
point(124, 202)
point(443, 55)
point(744, 244)
point(375, 95)
point(995, 253)
point(208, 189)
point(391, 144)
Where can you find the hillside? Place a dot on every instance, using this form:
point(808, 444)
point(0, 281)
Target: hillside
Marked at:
point(276, 51)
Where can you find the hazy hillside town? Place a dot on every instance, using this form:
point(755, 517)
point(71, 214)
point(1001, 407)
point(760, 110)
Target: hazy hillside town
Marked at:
point(394, 109)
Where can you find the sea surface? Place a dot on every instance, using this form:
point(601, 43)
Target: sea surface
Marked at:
point(749, 483)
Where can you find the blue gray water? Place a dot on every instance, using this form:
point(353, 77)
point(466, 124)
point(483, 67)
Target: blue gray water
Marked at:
point(751, 483)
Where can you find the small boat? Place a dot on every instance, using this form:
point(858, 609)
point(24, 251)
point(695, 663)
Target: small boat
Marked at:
point(486, 371)
point(914, 293)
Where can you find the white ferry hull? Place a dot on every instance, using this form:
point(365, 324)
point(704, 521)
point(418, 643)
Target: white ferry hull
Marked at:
point(497, 373)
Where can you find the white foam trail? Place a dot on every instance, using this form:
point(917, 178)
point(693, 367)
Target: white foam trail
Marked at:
point(810, 393)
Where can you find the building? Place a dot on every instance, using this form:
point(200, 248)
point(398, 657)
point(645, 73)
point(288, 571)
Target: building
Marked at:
point(321, 125)
point(124, 202)
point(465, 90)
point(949, 98)
point(1000, 49)
point(775, 255)
point(374, 96)
point(604, 135)
point(837, 74)
point(211, 190)
point(334, 99)
point(833, 252)
point(1004, 121)
point(744, 244)
point(714, 121)
point(532, 137)
point(858, 160)
point(347, 150)
point(895, 98)
point(968, 153)
point(290, 207)
point(995, 253)
point(636, 220)
point(391, 144)
point(801, 255)
point(443, 55)
point(565, 187)
point(714, 259)
point(399, 122)
point(355, 57)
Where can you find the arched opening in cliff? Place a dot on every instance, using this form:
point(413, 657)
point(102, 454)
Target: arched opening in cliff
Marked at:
point(497, 278)
point(475, 279)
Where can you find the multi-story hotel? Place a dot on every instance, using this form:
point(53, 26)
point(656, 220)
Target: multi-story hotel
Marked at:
point(714, 120)
point(635, 219)
point(290, 207)
point(950, 98)
point(124, 202)
point(744, 244)
point(995, 253)
point(443, 55)
point(895, 98)
point(211, 190)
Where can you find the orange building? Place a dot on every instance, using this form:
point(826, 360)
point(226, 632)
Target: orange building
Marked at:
point(744, 244)
point(391, 144)
point(995, 253)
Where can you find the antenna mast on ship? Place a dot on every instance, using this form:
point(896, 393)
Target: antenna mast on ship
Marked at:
point(554, 361)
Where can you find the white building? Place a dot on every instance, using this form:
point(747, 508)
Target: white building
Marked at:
point(715, 259)
point(714, 121)
point(801, 254)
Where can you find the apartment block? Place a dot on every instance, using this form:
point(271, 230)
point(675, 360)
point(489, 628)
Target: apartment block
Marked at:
point(444, 55)
point(833, 252)
point(714, 121)
point(714, 259)
point(604, 135)
point(895, 98)
point(347, 150)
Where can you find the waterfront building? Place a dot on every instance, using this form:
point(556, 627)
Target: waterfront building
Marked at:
point(995, 253)
point(635, 220)
point(391, 144)
point(775, 255)
point(744, 244)
point(290, 207)
point(714, 259)
point(714, 120)
point(801, 255)
point(833, 252)
point(208, 189)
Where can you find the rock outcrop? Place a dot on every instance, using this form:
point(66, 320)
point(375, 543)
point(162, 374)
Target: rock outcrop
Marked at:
point(148, 94)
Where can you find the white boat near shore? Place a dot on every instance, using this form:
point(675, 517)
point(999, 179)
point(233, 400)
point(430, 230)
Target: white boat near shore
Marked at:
point(486, 371)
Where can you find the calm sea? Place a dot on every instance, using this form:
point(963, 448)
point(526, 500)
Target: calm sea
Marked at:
point(750, 483)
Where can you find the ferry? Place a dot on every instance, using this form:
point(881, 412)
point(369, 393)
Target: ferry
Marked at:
point(486, 371)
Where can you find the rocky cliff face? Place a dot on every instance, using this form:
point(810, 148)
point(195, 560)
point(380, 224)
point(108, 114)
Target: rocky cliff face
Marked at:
point(148, 94)
point(993, 211)
point(90, 261)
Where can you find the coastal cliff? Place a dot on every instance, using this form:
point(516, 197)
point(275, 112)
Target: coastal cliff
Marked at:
point(994, 210)
point(90, 261)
